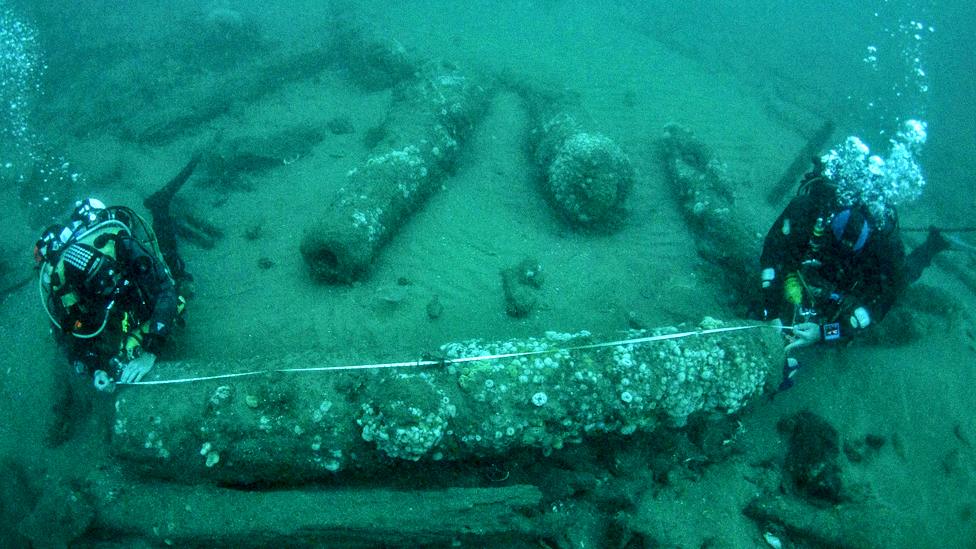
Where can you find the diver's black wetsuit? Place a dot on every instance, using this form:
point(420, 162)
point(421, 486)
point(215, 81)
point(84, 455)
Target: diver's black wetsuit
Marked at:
point(837, 279)
point(148, 294)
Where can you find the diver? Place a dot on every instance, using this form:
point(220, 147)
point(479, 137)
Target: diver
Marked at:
point(833, 263)
point(112, 285)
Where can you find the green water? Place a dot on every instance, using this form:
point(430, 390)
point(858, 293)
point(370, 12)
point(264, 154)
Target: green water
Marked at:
point(111, 99)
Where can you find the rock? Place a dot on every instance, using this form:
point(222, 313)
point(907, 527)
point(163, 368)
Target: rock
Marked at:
point(391, 295)
point(811, 460)
point(521, 284)
point(519, 300)
point(434, 308)
point(634, 321)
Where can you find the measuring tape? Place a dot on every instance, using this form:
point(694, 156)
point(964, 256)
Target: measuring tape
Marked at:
point(421, 362)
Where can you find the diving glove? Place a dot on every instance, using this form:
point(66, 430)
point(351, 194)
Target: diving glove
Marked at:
point(805, 333)
point(860, 318)
point(137, 368)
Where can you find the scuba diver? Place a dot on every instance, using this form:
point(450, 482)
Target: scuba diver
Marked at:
point(112, 285)
point(833, 263)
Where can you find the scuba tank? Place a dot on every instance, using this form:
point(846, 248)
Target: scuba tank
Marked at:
point(816, 236)
point(99, 233)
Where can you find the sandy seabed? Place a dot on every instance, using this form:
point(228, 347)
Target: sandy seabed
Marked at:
point(490, 215)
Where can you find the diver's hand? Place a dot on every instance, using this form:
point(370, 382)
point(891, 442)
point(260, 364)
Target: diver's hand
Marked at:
point(137, 368)
point(102, 382)
point(805, 334)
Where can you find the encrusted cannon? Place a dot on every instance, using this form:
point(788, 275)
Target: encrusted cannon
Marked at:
point(584, 174)
point(725, 235)
point(424, 128)
point(480, 399)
